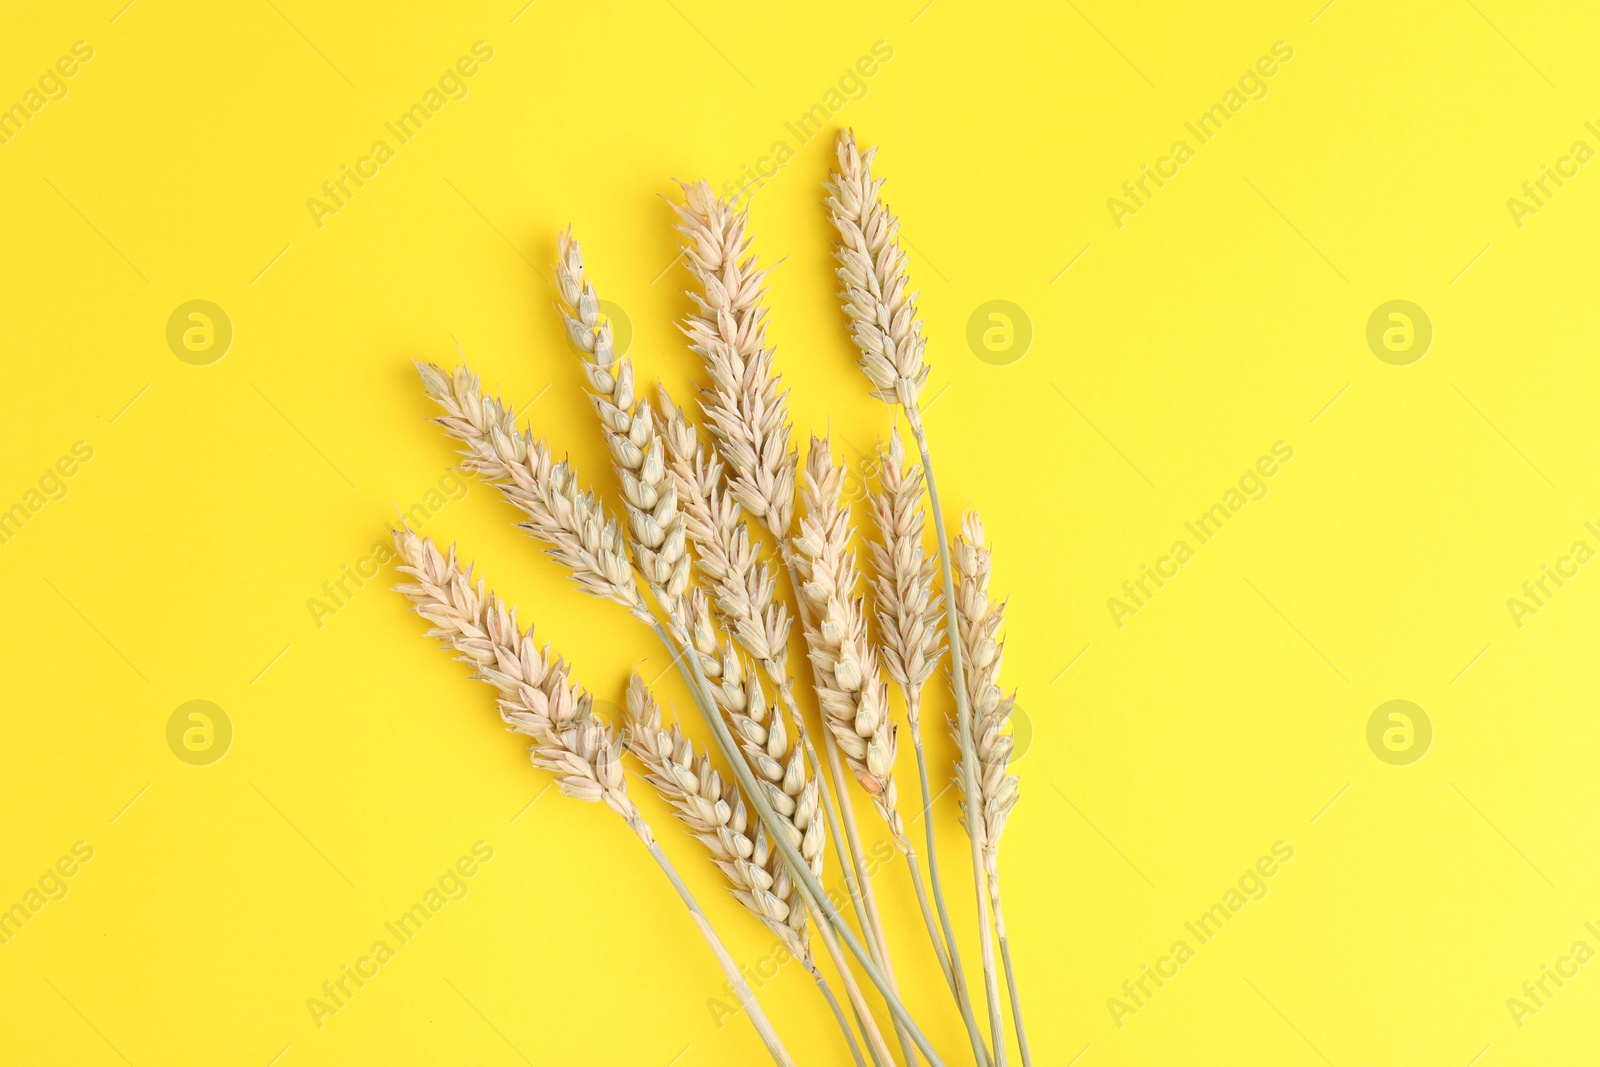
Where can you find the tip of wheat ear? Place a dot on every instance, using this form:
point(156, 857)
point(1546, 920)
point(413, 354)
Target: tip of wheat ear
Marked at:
point(537, 695)
point(872, 278)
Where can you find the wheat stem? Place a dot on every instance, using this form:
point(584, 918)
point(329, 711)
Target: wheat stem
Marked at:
point(838, 1015)
point(888, 336)
point(953, 971)
point(809, 885)
point(729, 966)
point(1011, 977)
point(964, 729)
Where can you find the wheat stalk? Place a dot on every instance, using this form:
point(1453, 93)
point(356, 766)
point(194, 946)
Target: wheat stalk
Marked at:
point(579, 534)
point(888, 335)
point(747, 411)
point(908, 613)
point(655, 526)
point(984, 649)
point(538, 698)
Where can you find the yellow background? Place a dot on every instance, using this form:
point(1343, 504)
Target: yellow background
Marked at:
point(1223, 317)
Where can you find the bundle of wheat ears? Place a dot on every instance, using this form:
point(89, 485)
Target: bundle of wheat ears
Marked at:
point(709, 518)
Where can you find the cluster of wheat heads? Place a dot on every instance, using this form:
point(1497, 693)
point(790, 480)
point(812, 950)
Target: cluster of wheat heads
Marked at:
point(709, 525)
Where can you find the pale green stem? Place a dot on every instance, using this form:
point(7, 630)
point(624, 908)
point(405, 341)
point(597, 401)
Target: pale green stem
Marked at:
point(752, 1009)
point(858, 1004)
point(952, 964)
point(1011, 976)
point(969, 783)
point(809, 887)
point(838, 1015)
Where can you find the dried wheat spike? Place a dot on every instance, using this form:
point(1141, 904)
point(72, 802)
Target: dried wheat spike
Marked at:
point(740, 581)
point(778, 763)
point(745, 406)
point(654, 522)
point(537, 696)
point(872, 278)
point(571, 522)
point(714, 810)
point(910, 618)
point(983, 650)
point(854, 700)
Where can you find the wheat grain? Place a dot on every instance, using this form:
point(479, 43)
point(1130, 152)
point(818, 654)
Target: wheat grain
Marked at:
point(571, 522)
point(655, 525)
point(745, 406)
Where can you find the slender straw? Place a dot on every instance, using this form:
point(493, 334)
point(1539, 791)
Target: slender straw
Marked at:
point(838, 1015)
point(1011, 977)
point(958, 682)
point(758, 1018)
point(809, 886)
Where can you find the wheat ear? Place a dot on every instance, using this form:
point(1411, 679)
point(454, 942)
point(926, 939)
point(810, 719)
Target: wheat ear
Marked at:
point(538, 698)
point(571, 522)
point(746, 408)
point(984, 649)
point(655, 526)
point(888, 335)
point(908, 613)
point(715, 813)
point(854, 699)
